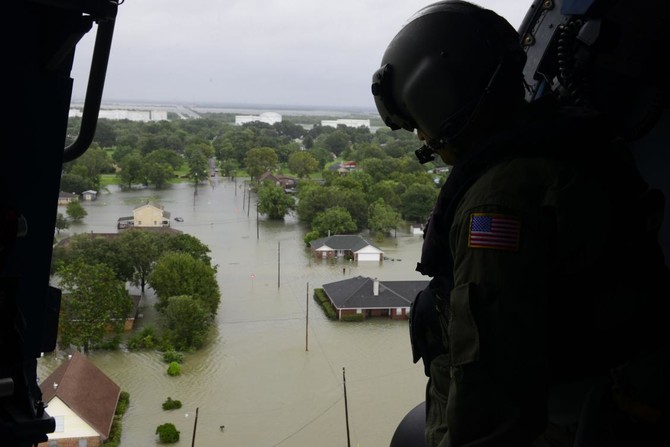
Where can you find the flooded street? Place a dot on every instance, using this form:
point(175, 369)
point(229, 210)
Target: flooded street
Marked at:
point(255, 376)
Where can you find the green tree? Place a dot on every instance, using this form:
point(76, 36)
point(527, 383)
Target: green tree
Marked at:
point(365, 151)
point(93, 300)
point(75, 183)
point(302, 163)
point(171, 404)
point(284, 151)
point(389, 190)
point(181, 274)
point(336, 141)
point(96, 161)
point(90, 165)
point(167, 433)
point(185, 323)
point(140, 249)
point(61, 223)
point(228, 167)
point(105, 133)
point(92, 249)
point(198, 164)
point(335, 220)
point(158, 174)
point(165, 156)
point(185, 243)
point(174, 369)
point(274, 202)
point(356, 202)
point(418, 202)
point(235, 143)
point(379, 169)
point(382, 217)
point(260, 160)
point(323, 156)
point(132, 169)
point(314, 198)
point(120, 152)
point(75, 211)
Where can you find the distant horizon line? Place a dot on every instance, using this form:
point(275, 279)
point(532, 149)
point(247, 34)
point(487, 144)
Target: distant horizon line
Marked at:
point(231, 105)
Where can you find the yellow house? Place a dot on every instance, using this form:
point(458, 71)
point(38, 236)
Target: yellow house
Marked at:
point(151, 215)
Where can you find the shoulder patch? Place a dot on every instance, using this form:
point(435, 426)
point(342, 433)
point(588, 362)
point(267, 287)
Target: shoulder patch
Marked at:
point(497, 231)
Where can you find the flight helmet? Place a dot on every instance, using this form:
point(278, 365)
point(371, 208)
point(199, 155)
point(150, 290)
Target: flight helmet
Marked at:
point(445, 63)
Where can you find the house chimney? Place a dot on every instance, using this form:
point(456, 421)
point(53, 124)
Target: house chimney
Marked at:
point(375, 287)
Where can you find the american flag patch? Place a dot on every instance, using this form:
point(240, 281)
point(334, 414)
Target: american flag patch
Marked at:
point(494, 231)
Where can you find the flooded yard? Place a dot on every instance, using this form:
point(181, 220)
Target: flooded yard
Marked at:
point(268, 375)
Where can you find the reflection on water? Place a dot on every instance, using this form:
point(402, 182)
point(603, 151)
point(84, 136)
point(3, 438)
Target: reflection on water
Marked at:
point(264, 376)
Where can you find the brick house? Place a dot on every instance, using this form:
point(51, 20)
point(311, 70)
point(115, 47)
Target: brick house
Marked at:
point(350, 246)
point(371, 298)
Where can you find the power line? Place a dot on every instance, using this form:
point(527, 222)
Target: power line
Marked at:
point(309, 422)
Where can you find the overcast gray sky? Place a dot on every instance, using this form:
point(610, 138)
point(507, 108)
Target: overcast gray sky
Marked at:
point(279, 52)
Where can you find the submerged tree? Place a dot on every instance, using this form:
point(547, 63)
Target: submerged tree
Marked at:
point(93, 301)
point(167, 433)
point(181, 274)
point(185, 323)
point(274, 202)
point(75, 211)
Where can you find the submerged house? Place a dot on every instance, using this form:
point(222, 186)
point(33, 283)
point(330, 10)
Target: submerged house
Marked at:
point(148, 215)
point(346, 245)
point(82, 400)
point(283, 181)
point(370, 297)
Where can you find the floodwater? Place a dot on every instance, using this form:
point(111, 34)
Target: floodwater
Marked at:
point(272, 373)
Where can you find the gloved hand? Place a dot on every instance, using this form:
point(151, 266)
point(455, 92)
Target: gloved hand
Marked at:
point(424, 329)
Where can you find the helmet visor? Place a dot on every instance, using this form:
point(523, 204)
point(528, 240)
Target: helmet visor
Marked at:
point(382, 83)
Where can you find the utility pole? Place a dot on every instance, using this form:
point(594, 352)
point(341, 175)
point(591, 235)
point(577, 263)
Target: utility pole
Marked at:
point(307, 319)
point(346, 409)
point(257, 236)
point(248, 200)
point(278, 263)
point(195, 425)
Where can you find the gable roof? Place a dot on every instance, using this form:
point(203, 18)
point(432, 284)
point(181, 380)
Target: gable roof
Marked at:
point(351, 242)
point(358, 293)
point(151, 204)
point(86, 390)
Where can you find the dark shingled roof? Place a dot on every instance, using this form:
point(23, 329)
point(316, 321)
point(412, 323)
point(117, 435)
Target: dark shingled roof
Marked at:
point(86, 390)
point(358, 293)
point(342, 242)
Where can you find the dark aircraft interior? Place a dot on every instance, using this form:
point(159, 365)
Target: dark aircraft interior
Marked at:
point(607, 54)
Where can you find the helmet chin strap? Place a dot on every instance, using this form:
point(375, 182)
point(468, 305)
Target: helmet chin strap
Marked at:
point(426, 153)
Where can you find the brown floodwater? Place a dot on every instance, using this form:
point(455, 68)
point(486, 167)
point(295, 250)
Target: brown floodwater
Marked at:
point(263, 375)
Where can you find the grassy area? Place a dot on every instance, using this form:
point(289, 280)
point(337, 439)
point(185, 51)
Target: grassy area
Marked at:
point(108, 179)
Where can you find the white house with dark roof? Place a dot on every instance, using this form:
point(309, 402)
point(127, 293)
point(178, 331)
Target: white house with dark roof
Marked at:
point(346, 245)
point(82, 400)
point(370, 297)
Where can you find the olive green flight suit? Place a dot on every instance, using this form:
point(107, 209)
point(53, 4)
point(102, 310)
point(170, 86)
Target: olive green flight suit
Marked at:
point(542, 295)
